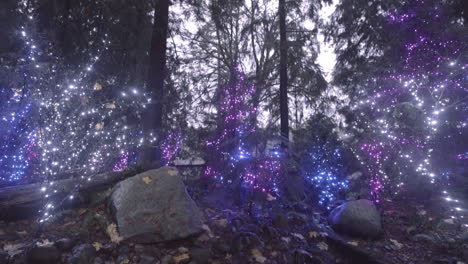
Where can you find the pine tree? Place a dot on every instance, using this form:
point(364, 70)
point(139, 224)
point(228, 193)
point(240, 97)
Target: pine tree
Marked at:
point(404, 113)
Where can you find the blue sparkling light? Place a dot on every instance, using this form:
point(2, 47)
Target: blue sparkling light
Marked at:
point(323, 167)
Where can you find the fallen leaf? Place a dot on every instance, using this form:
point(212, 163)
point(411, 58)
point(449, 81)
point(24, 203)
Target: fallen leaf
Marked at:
point(113, 234)
point(178, 259)
point(323, 234)
point(82, 211)
point(353, 243)
point(97, 86)
point(260, 259)
point(22, 233)
point(208, 230)
point(97, 246)
point(13, 249)
point(270, 197)
point(298, 236)
point(147, 179)
point(183, 250)
point(209, 211)
point(222, 222)
point(313, 234)
point(110, 106)
point(258, 256)
point(125, 261)
point(396, 243)
point(99, 126)
point(172, 172)
point(69, 223)
point(449, 221)
point(323, 246)
point(203, 238)
point(355, 176)
point(256, 252)
point(45, 242)
point(422, 212)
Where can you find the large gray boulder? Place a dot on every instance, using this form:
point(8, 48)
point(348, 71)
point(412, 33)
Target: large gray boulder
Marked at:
point(357, 218)
point(154, 206)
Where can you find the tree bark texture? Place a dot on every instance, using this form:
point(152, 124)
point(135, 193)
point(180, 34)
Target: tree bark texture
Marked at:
point(283, 70)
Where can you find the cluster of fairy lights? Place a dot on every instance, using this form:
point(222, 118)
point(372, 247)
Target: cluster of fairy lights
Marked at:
point(229, 152)
point(14, 160)
point(234, 111)
point(75, 127)
point(406, 110)
point(462, 156)
point(170, 147)
point(323, 167)
point(122, 163)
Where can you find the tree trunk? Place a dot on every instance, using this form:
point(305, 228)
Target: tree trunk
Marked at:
point(283, 70)
point(152, 122)
point(65, 43)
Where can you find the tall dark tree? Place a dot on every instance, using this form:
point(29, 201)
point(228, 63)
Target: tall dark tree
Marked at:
point(157, 72)
point(284, 113)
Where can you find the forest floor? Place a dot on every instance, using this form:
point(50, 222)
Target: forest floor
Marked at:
point(268, 232)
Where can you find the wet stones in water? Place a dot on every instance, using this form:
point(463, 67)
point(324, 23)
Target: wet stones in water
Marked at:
point(154, 206)
point(357, 218)
point(82, 254)
point(43, 255)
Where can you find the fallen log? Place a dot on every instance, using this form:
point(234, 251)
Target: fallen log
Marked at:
point(24, 201)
